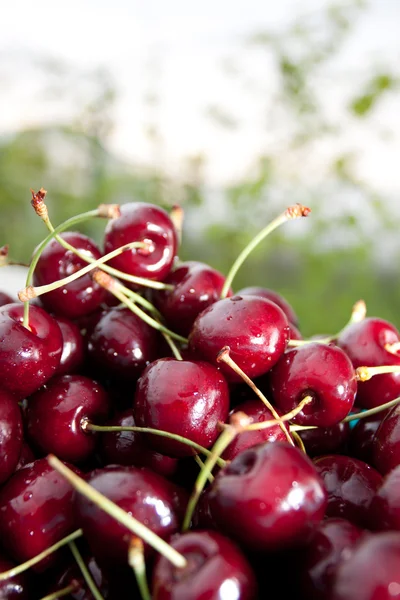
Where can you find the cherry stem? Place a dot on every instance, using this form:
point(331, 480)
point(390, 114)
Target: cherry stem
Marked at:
point(293, 212)
point(140, 300)
point(85, 572)
point(112, 509)
point(114, 287)
point(371, 411)
point(224, 356)
point(287, 417)
point(87, 426)
point(201, 465)
point(69, 589)
point(393, 348)
point(299, 441)
point(137, 563)
point(39, 557)
point(365, 373)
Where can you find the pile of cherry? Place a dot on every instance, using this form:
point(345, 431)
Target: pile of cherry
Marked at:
point(163, 437)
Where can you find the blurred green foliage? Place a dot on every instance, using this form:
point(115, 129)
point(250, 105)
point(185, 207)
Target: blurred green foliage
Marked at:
point(322, 270)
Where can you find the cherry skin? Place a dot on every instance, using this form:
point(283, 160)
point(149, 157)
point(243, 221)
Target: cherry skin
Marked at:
point(10, 435)
point(142, 222)
point(122, 344)
point(183, 397)
point(351, 485)
point(364, 343)
point(54, 416)
point(372, 571)
point(26, 456)
point(5, 299)
point(78, 298)
point(72, 575)
point(361, 438)
point(28, 357)
point(17, 587)
point(326, 440)
point(386, 442)
point(36, 511)
point(196, 286)
point(385, 505)
point(274, 297)
point(73, 352)
point(268, 498)
point(146, 496)
point(321, 371)
point(215, 568)
point(255, 329)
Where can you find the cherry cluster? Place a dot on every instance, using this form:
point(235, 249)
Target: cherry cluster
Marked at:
point(164, 437)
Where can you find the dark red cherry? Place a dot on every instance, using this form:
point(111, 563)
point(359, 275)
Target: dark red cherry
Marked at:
point(321, 371)
point(26, 456)
point(183, 397)
point(257, 412)
point(78, 298)
point(36, 511)
point(10, 435)
point(146, 496)
point(196, 286)
point(364, 343)
point(362, 436)
point(142, 222)
point(5, 299)
point(274, 297)
point(18, 587)
point(122, 344)
point(71, 575)
point(28, 357)
point(54, 416)
point(73, 352)
point(215, 568)
point(351, 484)
point(386, 442)
point(256, 331)
point(372, 571)
point(129, 448)
point(333, 542)
point(269, 497)
point(326, 440)
point(385, 505)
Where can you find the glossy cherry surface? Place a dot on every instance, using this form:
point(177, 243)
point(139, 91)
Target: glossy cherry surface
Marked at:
point(183, 397)
point(122, 344)
point(361, 438)
point(351, 484)
point(269, 497)
point(255, 329)
point(36, 511)
point(10, 434)
point(196, 286)
point(385, 505)
point(372, 571)
point(386, 442)
point(26, 456)
point(216, 569)
point(78, 298)
point(326, 440)
point(274, 297)
point(28, 357)
point(73, 351)
point(14, 588)
point(54, 416)
point(364, 343)
point(142, 222)
point(321, 371)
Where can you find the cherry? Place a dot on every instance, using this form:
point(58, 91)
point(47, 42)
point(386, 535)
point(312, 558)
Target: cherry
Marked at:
point(5, 299)
point(129, 448)
point(121, 344)
point(386, 442)
point(36, 511)
point(186, 398)
point(351, 484)
point(14, 588)
point(269, 497)
point(256, 331)
point(332, 542)
point(26, 456)
point(372, 571)
point(215, 569)
point(71, 575)
point(385, 505)
point(54, 416)
point(274, 297)
point(196, 286)
point(361, 438)
point(142, 222)
point(326, 440)
point(146, 496)
point(368, 343)
point(28, 357)
point(10, 434)
point(73, 352)
point(321, 371)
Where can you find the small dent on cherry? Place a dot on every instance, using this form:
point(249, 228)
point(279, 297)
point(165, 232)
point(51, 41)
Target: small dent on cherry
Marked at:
point(243, 464)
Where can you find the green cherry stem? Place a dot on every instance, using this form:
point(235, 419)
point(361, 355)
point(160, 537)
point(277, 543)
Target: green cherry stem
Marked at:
point(293, 212)
point(282, 419)
point(39, 557)
point(137, 563)
point(365, 373)
point(69, 589)
point(201, 465)
point(371, 411)
point(85, 572)
point(112, 509)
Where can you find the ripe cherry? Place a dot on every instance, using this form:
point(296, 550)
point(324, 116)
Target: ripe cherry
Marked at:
point(361, 438)
point(386, 442)
point(274, 297)
point(5, 299)
point(326, 440)
point(73, 352)
point(14, 588)
point(385, 505)
point(10, 435)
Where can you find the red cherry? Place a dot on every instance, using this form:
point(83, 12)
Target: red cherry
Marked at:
point(385, 506)
point(141, 222)
point(326, 440)
point(386, 442)
point(361, 438)
point(182, 397)
point(256, 331)
point(10, 435)
point(78, 298)
point(14, 588)
point(274, 297)
point(28, 357)
point(26, 456)
point(54, 416)
point(269, 497)
point(5, 299)
point(323, 372)
point(73, 352)
point(215, 569)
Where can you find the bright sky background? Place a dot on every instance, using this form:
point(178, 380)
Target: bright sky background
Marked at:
point(188, 41)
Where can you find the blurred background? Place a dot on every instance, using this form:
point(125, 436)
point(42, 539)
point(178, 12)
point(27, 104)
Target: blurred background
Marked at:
point(234, 110)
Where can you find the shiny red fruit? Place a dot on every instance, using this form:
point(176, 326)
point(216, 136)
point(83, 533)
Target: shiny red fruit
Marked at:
point(386, 442)
point(274, 297)
point(10, 435)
